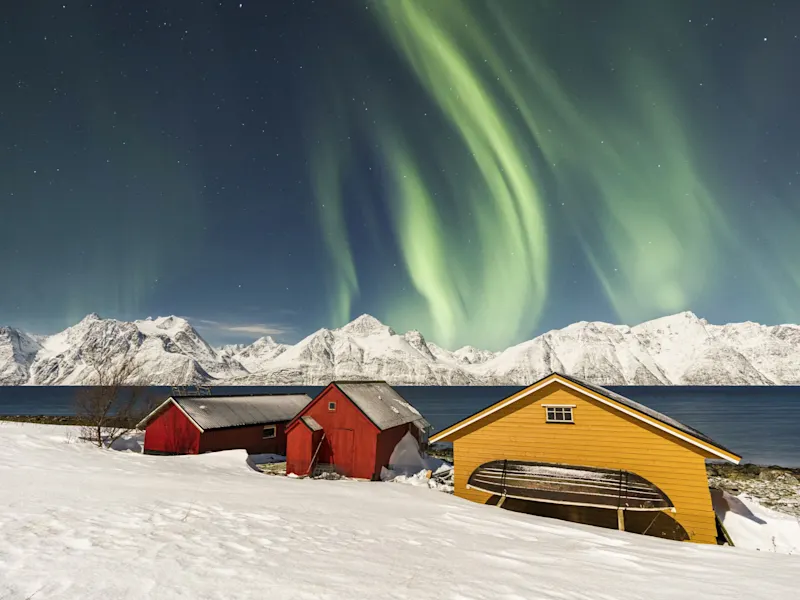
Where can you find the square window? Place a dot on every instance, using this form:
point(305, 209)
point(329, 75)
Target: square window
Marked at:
point(270, 431)
point(559, 414)
point(331, 406)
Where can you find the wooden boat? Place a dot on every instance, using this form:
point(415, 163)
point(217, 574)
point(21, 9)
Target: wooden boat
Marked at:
point(568, 484)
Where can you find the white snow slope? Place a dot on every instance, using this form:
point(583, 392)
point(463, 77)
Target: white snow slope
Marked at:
point(77, 522)
point(679, 349)
point(757, 527)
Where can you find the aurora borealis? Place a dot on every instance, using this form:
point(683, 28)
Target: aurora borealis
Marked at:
point(479, 170)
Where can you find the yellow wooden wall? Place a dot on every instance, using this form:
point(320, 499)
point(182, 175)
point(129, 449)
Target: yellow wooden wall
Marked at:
point(601, 437)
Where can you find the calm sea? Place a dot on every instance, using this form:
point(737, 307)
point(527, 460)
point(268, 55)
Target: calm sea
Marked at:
point(761, 423)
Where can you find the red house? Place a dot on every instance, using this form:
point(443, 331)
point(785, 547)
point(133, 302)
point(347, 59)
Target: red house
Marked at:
point(197, 424)
point(353, 427)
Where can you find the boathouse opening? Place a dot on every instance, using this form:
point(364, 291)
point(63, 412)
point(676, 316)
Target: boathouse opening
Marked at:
point(656, 524)
point(610, 498)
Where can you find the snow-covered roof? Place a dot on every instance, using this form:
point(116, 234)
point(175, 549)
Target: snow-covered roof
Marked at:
point(646, 410)
point(311, 423)
point(217, 412)
point(676, 428)
point(381, 403)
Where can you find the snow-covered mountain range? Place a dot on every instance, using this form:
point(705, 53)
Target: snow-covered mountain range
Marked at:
point(678, 349)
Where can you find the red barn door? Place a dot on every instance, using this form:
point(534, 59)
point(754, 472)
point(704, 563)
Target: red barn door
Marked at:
point(341, 442)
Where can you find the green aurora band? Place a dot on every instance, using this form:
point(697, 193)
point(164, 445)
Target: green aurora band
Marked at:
point(327, 168)
point(523, 145)
point(510, 229)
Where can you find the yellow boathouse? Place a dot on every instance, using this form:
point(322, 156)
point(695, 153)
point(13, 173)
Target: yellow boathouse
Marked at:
point(569, 449)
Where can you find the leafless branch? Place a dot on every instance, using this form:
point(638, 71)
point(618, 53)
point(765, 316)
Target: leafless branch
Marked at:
point(117, 399)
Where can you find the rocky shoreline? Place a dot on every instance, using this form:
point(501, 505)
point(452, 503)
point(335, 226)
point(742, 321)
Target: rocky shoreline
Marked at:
point(775, 487)
point(55, 420)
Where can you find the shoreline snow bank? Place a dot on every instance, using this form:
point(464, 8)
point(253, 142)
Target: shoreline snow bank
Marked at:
point(408, 465)
point(753, 526)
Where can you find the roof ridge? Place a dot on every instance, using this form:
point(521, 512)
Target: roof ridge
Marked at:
point(638, 406)
point(390, 399)
point(221, 397)
point(357, 381)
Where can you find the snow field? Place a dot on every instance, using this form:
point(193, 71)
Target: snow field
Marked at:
point(84, 523)
point(757, 527)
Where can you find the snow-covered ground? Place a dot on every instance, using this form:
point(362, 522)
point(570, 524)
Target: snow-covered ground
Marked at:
point(81, 522)
point(751, 525)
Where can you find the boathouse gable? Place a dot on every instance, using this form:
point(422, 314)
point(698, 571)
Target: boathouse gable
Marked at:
point(600, 435)
point(351, 427)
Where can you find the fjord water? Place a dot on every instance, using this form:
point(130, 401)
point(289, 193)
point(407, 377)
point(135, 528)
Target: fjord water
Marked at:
point(762, 423)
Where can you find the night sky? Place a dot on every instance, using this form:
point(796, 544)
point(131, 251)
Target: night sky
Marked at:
point(481, 171)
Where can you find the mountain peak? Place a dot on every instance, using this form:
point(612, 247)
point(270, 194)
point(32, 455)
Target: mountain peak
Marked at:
point(687, 314)
point(365, 325)
point(170, 325)
point(681, 319)
point(91, 317)
point(467, 349)
point(170, 322)
point(473, 355)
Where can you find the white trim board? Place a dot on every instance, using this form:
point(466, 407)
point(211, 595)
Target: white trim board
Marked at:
point(585, 392)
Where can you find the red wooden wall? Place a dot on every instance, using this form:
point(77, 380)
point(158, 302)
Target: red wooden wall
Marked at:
point(301, 443)
point(350, 437)
point(171, 432)
point(248, 438)
point(352, 442)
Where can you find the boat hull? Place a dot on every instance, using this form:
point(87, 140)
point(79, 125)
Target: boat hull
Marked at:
point(568, 484)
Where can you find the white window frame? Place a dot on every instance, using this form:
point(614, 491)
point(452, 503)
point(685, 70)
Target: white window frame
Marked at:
point(566, 410)
point(274, 432)
point(332, 406)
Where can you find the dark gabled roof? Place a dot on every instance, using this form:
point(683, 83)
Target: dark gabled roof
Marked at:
point(217, 412)
point(600, 391)
point(646, 410)
point(381, 403)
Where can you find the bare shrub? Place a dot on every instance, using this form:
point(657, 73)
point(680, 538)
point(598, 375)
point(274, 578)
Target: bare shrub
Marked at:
point(118, 399)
